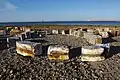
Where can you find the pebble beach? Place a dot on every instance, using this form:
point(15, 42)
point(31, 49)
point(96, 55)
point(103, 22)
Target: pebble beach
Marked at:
point(17, 67)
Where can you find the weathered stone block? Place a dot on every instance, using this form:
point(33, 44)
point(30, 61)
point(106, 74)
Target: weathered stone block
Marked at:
point(54, 31)
point(27, 48)
point(41, 33)
point(12, 41)
point(92, 53)
point(58, 52)
point(104, 34)
point(93, 39)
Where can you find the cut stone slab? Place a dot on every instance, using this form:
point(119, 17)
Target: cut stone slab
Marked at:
point(57, 52)
point(27, 48)
point(92, 53)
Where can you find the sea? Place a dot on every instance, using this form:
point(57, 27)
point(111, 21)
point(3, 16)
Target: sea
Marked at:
point(111, 23)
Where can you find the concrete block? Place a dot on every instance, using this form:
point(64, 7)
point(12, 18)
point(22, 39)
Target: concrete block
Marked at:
point(95, 39)
point(12, 41)
point(41, 33)
point(27, 48)
point(104, 34)
point(92, 50)
point(70, 32)
point(54, 31)
point(77, 33)
point(92, 53)
point(63, 32)
point(58, 52)
point(90, 31)
point(66, 31)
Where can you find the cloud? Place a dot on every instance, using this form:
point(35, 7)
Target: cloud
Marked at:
point(10, 6)
point(6, 5)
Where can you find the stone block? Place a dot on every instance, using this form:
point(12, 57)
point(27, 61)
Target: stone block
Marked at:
point(27, 48)
point(12, 41)
point(104, 34)
point(57, 52)
point(92, 53)
point(54, 31)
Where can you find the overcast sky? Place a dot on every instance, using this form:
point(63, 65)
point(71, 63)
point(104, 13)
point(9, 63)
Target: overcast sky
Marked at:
point(60, 10)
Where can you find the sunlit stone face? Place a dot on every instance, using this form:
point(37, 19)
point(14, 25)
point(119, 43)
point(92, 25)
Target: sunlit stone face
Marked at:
point(26, 48)
point(92, 53)
point(58, 52)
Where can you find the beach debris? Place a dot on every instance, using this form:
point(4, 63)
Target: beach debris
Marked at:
point(27, 48)
point(92, 53)
point(58, 52)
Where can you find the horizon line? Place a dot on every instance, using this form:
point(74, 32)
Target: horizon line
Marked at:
point(61, 21)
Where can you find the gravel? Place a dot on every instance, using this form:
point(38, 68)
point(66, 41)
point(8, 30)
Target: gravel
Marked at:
point(17, 67)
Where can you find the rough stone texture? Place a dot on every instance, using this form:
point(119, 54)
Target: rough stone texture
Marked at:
point(16, 67)
point(66, 39)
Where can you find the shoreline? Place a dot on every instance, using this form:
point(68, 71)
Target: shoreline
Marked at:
point(62, 23)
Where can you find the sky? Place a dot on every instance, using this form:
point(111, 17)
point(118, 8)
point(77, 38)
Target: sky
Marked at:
point(59, 10)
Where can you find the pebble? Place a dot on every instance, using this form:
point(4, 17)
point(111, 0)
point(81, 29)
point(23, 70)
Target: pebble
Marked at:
point(17, 67)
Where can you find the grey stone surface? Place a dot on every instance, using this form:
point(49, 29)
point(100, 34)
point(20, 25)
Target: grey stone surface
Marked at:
point(16, 67)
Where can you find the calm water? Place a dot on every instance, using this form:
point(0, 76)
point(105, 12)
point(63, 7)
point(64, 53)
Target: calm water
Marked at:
point(117, 23)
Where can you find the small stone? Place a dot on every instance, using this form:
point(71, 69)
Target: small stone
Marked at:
point(4, 70)
point(11, 71)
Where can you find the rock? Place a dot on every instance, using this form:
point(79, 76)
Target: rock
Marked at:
point(17, 67)
point(4, 70)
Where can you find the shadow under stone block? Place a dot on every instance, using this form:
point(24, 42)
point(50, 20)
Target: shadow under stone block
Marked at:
point(12, 41)
point(3, 43)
